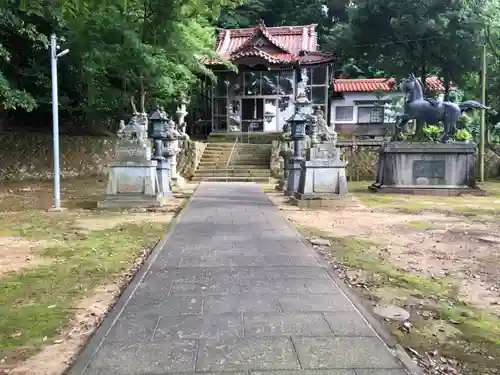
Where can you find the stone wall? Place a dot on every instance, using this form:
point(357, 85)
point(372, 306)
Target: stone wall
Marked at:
point(362, 157)
point(29, 156)
point(189, 157)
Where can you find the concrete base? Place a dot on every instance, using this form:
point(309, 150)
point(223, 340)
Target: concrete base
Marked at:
point(321, 201)
point(60, 209)
point(427, 168)
point(132, 201)
point(419, 190)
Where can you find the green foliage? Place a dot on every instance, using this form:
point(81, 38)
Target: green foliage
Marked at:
point(463, 135)
point(117, 50)
point(433, 132)
point(121, 47)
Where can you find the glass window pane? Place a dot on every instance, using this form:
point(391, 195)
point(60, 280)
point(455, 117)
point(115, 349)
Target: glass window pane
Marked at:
point(221, 85)
point(234, 114)
point(269, 82)
point(220, 123)
point(377, 115)
point(318, 95)
point(364, 115)
point(285, 86)
point(344, 113)
point(319, 75)
point(270, 110)
point(306, 75)
point(252, 83)
point(249, 110)
point(220, 107)
point(286, 110)
point(235, 85)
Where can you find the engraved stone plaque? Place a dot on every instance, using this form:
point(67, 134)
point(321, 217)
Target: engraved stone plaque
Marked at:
point(131, 181)
point(429, 169)
point(132, 152)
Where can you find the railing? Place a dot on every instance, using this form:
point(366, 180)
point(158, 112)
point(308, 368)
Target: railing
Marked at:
point(230, 157)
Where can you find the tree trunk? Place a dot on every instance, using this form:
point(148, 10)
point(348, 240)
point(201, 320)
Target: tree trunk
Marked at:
point(419, 130)
point(446, 79)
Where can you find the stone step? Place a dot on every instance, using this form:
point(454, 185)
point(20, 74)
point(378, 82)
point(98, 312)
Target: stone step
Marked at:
point(214, 158)
point(250, 161)
point(230, 179)
point(253, 145)
point(219, 149)
point(213, 161)
point(212, 166)
point(236, 173)
point(212, 150)
point(220, 144)
point(252, 156)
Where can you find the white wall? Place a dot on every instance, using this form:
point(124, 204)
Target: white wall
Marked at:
point(351, 97)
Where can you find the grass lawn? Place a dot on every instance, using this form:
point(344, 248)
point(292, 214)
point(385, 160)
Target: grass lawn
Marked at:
point(66, 257)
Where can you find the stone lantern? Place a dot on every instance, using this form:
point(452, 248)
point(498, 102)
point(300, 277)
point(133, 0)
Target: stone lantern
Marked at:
point(298, 127)
point(159, 132)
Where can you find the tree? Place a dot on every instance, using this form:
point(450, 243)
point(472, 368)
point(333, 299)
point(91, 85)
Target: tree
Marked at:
point(117, 50)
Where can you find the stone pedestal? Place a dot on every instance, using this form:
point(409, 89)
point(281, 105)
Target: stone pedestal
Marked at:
point(427, 168)
point(133, 179)
point(323, 175)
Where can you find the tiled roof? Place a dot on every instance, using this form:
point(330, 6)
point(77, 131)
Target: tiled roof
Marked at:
point(375, 84)
point(292, 44)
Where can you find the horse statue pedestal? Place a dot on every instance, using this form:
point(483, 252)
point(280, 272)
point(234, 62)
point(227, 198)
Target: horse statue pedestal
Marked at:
point(427, 168)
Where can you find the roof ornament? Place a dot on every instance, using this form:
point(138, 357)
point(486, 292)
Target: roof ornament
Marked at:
point(261, 23)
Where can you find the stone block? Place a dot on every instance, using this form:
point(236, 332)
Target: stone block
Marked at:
point(264, 353)
point(344, 352)
point(349, 324)
point(273, 286)
point(240, 303)
point(144, 358)
point(198, 327)
point(161, 304)
point(315, 303)
point(283, 324)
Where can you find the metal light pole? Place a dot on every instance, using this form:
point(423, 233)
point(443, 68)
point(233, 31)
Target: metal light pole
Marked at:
point(482, 136)
point(55, 119)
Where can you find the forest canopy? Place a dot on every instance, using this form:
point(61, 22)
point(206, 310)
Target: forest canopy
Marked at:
point(119, 47)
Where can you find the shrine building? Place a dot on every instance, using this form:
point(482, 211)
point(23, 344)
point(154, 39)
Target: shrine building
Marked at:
point(270, 62)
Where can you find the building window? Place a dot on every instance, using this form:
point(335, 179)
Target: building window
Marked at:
point(344, 113)
point(371, 115)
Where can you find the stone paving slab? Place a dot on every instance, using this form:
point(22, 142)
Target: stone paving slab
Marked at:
point(234, 291)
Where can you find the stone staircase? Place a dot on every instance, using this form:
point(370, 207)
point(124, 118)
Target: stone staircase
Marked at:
point(234, 162)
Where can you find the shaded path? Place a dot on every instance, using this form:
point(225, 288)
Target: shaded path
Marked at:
point(234, 289)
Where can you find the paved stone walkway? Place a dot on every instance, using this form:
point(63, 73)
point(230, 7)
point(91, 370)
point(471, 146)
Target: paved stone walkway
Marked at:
point(234, 290)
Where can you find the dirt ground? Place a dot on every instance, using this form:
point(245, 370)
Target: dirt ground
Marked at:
point(34, 244)
point(429, 244)
point(410, 247)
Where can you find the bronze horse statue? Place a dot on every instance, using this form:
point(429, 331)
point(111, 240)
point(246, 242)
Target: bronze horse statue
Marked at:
point(430, 110)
